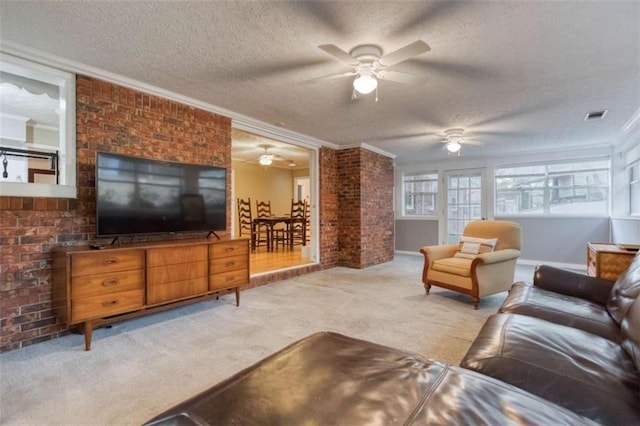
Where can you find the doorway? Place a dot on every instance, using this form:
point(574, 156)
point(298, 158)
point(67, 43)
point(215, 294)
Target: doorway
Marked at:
point(273, 171)
point(301, 188)
point(465, 201)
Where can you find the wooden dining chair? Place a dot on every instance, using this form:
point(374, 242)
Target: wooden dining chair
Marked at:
point(297, 231)
point(245, 223)
point(307, 222)
point(263, 231)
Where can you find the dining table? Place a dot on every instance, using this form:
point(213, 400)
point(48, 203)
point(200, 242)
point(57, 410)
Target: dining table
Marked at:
point(271, 222)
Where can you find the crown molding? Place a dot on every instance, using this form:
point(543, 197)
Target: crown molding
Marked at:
point(631, 132)
point(369, 148)
point(239, 121)
point(632, 124)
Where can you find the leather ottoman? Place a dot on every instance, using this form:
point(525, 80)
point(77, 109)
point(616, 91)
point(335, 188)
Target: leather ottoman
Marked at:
point(331, 379)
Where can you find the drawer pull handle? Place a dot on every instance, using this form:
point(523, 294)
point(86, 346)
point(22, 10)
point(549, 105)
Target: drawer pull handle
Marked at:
point(109, 283)
point(110, 261)
point(228, 249)
point(230, 263)
point(228, 279)
point(109, 303)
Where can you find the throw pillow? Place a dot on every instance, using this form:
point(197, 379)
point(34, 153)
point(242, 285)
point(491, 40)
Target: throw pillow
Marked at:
point(470, 247)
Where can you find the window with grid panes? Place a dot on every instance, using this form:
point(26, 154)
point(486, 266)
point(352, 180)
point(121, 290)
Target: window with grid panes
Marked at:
point(559, 188)
point(419, 194)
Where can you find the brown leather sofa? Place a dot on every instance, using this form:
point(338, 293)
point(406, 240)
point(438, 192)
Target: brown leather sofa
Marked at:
point(331, 379)
point(570, 339)
point(565, 350)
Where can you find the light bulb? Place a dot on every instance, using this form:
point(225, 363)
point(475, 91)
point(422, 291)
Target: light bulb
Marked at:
point(365, 84)
point(453, 146)
point(266, 159)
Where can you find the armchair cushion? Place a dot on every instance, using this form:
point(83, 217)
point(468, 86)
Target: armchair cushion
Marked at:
point(453, 265)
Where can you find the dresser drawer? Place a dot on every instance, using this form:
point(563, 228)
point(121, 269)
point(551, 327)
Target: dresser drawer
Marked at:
point(93, 285)
point(169, 274)
point(176, 255)
point(106, 261)
point(228, 279)
point(176, 290)
point(229, 248)
point(226, 264)
point(105, 305)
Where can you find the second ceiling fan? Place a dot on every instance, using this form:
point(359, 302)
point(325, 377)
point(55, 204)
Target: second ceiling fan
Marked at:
point(369, 65)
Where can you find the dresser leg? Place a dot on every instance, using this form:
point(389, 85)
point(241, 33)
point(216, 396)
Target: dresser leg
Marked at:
point(237, 296)
point(88, 331)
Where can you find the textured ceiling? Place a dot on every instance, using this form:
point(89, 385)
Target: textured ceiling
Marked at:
point(517, 76)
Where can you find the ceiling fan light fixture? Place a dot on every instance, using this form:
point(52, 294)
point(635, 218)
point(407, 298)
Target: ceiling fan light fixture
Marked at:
point(453, 146)
point(365, 82)
point(266, 159)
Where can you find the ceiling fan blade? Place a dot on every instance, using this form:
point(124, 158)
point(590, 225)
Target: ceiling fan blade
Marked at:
point(339, 54)
point(470, 142)
point(409, 51)
point(400, 77)
point(331, 76)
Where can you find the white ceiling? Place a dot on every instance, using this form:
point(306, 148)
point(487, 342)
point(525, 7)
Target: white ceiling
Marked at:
point(517, 76)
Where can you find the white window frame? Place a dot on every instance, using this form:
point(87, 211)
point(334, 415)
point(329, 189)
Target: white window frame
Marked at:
point(66, 188)
point(435, 195)
point(546, 187)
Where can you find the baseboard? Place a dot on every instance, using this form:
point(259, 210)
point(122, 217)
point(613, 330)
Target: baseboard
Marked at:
point(410, 253)
point(572, 266)
point(524, 262)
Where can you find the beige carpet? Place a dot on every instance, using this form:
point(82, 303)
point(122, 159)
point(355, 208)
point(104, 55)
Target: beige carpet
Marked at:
point(138, 368)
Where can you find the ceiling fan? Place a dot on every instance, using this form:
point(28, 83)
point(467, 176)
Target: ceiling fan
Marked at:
point(369, 65)
point(453, 140)
point(267, 157)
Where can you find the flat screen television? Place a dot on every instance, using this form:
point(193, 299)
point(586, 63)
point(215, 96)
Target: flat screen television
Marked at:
point(142, 196)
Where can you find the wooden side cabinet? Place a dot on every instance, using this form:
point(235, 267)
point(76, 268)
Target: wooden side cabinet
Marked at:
point(98, 287)
point(607, 260)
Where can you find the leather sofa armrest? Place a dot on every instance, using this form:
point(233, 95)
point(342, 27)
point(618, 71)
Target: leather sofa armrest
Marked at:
point(572, 283)
point(498, 256)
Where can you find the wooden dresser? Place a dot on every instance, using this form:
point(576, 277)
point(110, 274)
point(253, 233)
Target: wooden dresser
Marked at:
point(98, 287)
point(607, 260)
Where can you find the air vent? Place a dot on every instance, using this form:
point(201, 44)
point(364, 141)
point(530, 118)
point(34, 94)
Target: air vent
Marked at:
point(595, 115)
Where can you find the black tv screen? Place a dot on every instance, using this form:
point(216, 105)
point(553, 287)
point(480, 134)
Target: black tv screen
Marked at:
point(141, 196)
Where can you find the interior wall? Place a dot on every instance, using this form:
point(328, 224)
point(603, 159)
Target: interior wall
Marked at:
point(329, 207)
point(556, 240)
point(412, 235)
point(625, 230)
point(560, 240)
point(365, 216)
point(377, 232)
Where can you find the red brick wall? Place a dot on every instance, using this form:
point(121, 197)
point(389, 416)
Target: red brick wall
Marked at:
point(329, 208)
point(350, 213)
point(377, 209)
point(365, 196)
point(109, 118)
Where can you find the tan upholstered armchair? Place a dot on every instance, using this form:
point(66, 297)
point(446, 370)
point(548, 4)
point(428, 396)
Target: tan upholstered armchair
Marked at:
point(483, 263)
